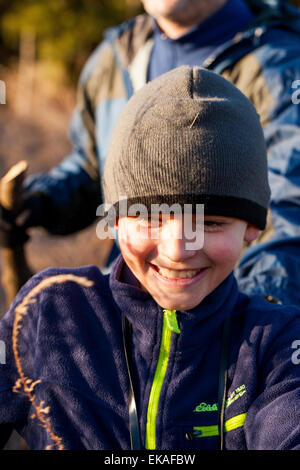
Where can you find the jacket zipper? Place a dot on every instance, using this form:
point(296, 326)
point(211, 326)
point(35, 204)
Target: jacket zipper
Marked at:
point(170, 326)
point(206, 431)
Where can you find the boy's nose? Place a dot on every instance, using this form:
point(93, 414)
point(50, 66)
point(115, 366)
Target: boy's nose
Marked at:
point(174, 244)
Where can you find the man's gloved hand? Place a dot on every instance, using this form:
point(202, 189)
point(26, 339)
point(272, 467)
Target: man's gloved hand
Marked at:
point(11, 234)
point(13, 226)
point(33, 211)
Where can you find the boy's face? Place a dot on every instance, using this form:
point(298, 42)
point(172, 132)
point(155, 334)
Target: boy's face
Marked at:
point(177, 277)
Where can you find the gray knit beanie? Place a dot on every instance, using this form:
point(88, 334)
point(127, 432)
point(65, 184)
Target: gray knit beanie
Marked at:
point(190, 137)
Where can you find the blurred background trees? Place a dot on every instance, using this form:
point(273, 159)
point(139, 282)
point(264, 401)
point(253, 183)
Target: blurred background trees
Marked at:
point(59, 33)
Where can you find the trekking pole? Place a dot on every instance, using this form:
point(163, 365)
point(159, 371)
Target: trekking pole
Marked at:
point(15, 269)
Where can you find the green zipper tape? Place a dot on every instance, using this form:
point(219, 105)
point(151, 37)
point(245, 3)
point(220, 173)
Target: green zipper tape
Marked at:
point(230, 424)
point(170, 325)
point(170, 316)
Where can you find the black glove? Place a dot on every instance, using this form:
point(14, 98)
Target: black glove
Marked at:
point(11, 234)
point(34, 211)
point(13, 225)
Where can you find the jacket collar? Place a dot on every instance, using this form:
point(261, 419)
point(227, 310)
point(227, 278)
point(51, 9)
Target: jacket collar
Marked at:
point(214, 30)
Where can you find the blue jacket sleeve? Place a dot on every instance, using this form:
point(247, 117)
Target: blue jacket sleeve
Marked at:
point(272, 267)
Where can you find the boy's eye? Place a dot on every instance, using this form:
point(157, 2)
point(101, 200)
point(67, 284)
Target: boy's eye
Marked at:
point(213, 225)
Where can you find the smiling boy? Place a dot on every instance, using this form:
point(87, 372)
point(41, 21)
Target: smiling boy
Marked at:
point(204, 366)
point(177, 277)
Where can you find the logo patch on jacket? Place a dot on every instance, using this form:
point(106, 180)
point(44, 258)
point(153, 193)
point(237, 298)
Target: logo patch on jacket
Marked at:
point(235, 395)
point(206, 407)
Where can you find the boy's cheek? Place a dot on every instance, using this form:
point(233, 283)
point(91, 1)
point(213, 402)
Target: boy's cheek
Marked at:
point(134, 246)
point(224, 250)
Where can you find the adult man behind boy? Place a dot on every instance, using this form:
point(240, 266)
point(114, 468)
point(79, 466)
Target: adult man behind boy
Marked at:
point(66, 385)
point(256, 46)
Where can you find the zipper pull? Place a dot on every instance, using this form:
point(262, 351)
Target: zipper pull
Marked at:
point(171, 319)
point(192, 435)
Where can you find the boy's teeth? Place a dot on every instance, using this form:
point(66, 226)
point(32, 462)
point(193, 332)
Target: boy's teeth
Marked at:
point(177, 274)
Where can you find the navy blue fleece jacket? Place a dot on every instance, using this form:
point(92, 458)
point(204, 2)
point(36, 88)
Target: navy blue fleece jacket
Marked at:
point(64, 383)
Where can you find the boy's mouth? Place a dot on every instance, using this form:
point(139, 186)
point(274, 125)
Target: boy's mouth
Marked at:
point(177, 274)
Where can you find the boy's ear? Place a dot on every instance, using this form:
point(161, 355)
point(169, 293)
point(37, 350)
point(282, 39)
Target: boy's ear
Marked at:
point(252, 232)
